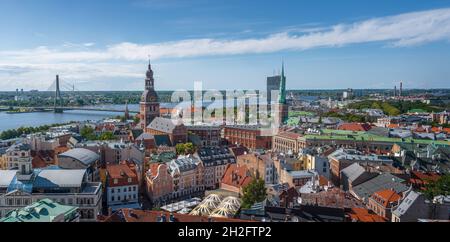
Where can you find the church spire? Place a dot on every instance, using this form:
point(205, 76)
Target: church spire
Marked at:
point(282, 94)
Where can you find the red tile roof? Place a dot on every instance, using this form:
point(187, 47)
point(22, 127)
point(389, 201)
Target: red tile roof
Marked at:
point(363, 215)
point(393, 126)
point(289, 135)
point(355, 126)
point(385, 197)
point(237, 176)
point(420, 179)
point(121, 172)
point(238, 150)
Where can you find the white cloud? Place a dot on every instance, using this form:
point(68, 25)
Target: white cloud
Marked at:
point(85, 62)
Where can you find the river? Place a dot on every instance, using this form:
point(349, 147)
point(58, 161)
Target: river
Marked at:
point(12, 121)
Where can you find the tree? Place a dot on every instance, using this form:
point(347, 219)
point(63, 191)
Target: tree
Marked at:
point(184, 149)
point(189, 148)
point(88, 133)
point(136, 119)
point(254, 192)
point(438, 187)
point(180, 149)
point(107, 136)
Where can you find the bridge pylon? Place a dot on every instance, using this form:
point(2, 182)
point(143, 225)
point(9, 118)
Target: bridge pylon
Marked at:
point(58, 98)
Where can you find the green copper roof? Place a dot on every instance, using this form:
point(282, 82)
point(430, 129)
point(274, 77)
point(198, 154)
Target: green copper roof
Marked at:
point(44, 210)
point(329, 134)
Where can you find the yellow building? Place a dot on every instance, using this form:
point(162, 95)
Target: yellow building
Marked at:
point(2, 162)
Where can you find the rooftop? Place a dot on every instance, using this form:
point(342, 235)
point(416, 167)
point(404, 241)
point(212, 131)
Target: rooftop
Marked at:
point(44, 210)
point(85, 156)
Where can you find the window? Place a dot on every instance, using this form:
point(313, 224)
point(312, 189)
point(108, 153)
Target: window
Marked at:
point(112, 190)
point(129, 179)
point(115, 181)
point(129, 189)
point(112, 198)
point(134, 189)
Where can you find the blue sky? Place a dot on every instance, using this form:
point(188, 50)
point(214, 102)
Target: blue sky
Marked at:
point(226, 44)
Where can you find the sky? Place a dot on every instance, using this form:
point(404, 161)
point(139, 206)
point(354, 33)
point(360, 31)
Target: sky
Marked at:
point(225, 44)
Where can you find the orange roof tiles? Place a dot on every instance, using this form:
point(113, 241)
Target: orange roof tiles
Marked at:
point(363, 215)
point(121, 172)
point(289, 135)
point(355, 126)
point(385, 197)
point(236, 176)
point(393, 126)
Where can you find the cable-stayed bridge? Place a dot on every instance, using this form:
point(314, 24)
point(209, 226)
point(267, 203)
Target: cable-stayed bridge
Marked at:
point(59, 107)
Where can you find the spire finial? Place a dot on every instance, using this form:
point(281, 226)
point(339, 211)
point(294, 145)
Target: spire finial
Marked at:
point(149, 59)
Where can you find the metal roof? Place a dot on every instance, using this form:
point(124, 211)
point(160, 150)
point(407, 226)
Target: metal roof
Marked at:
point(380, 182)
point(85, 156)
point(406, 203)
point(59, 178)
point(6, 177)
point(353, 171)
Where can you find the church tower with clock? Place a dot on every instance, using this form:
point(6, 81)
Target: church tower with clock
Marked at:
point(149, 105)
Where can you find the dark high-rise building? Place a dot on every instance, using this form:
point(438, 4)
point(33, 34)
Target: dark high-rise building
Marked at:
point(273, 84)
point(401, 89)
point(149, 105)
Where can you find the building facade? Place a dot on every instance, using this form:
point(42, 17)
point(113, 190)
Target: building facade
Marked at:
point(159, 183)
point(122, 186)
point(68, 187)
point(187, 176)
point(215, 159)
point(209, 134)
point(249, 136)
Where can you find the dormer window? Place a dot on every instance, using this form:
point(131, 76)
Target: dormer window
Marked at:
point(129, 179)
point(115, 181)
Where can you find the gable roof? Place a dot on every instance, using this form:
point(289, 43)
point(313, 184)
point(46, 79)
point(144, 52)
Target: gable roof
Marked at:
point(386, 196)
point(354, 126)
point(380, 182)
point(353, 171)
point(163, 125)
point(237, 176)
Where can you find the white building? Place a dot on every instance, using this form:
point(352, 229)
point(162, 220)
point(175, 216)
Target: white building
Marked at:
point(122, 186)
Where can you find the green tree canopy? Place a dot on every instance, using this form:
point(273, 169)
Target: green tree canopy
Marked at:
point(107, 136)
point(438, 187)
point(88, 133)
point(254, 192)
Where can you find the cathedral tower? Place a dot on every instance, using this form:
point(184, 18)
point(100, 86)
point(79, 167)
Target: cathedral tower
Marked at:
point(149, 105)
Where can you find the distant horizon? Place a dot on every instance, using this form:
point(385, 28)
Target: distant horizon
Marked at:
point(338, 89)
